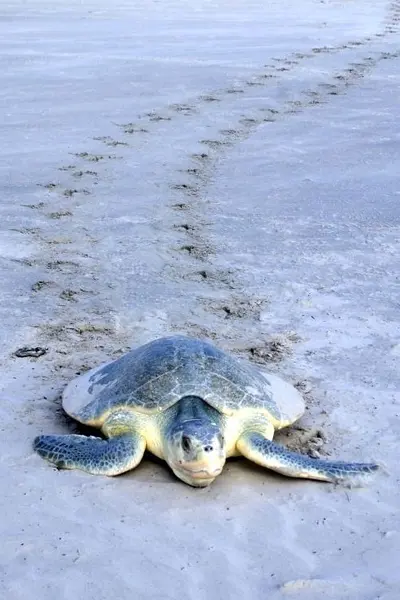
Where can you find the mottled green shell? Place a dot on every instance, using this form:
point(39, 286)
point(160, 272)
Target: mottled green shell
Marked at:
point(155, 376)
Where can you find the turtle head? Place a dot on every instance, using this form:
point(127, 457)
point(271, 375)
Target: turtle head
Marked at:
point(196, 451)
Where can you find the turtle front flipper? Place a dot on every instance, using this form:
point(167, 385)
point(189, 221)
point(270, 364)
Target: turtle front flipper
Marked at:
point(262, 451)
point(92, 454)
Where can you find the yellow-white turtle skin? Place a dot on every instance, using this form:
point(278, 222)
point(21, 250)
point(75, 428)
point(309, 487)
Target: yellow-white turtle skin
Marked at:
point(194, 427)
point(213, 438)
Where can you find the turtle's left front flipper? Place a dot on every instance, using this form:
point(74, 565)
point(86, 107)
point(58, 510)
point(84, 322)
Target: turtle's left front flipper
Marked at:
point(92, 454)
point(258, 449)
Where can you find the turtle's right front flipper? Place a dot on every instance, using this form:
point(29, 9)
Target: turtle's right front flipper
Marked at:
point(258, 449)
point(92, 454)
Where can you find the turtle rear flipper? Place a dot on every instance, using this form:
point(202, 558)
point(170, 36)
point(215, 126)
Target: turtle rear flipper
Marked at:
point(258, 449)
point(92, 454)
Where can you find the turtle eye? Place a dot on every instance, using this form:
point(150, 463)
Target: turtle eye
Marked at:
point(185, 443)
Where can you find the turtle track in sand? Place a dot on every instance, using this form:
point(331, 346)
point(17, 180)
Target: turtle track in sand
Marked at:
point(83, 310)
point(236, 303)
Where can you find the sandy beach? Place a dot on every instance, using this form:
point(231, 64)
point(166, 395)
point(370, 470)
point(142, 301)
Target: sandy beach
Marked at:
point(227, 170)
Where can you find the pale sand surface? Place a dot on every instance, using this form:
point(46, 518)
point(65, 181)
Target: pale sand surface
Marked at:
point(281, 244)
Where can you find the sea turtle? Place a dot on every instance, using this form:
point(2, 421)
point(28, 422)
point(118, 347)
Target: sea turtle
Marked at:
point(190, 404)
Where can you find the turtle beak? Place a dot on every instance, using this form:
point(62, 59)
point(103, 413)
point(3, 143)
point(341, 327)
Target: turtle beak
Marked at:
point(199, 473)
point(196, 478)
